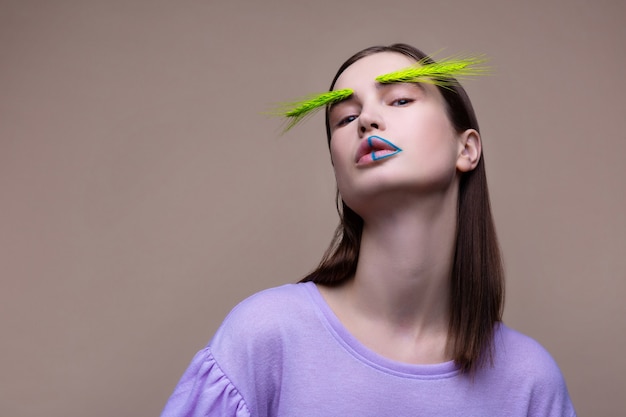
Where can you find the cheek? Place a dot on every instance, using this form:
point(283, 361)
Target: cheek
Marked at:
point(435, 119)
point(338, 151)
point(436, 132)
point(340, 159)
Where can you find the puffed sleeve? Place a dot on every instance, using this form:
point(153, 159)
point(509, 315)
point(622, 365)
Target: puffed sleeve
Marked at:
point(204, 390)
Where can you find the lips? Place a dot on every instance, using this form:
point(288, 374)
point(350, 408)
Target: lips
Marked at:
point(374, 149)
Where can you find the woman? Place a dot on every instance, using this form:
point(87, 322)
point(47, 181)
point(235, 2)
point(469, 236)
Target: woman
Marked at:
point(403, 315)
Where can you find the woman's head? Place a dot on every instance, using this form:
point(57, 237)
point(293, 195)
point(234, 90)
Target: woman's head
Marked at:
point(405, 126)
point(476, 282)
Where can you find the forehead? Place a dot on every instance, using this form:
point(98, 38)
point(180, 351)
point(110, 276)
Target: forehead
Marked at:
point(365, 70)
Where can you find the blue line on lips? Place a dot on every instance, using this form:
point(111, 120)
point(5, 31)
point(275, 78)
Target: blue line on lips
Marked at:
point(374, 149)
point(374, 143)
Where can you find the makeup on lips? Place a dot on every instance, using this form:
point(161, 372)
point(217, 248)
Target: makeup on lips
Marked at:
point(374, 149)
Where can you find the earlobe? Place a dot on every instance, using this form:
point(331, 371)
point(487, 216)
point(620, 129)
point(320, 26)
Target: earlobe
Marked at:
point(470, 150)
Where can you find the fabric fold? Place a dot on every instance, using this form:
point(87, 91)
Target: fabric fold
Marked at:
point(205, 391)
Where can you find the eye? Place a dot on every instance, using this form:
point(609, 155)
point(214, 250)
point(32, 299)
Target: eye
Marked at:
point(401, 101)
point(346, 120)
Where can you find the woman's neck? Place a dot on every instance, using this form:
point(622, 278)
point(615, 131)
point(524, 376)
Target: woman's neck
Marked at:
point(398, 301)
point(405, 261)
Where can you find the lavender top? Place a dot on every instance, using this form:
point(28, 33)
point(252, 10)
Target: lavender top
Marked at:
point(283, 352)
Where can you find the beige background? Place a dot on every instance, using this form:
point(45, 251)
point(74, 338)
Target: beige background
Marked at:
point(143, 194)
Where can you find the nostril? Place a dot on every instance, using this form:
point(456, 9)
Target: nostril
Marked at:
point(364, 128)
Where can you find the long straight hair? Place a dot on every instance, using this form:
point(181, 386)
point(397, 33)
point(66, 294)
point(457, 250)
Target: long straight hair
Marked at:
point(477, 278)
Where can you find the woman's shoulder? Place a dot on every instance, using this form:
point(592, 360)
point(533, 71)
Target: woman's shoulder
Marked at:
point(266, 316)
point(523, 364)
point(245, 353)
point(523, 358)
point(271, 304)
point(251, 344)
point(513, 345)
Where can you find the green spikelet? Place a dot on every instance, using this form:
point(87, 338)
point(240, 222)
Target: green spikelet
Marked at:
point(296, 111)
point(441, 73)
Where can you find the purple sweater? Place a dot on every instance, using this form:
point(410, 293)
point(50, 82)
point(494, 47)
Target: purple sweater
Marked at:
point(282, 352)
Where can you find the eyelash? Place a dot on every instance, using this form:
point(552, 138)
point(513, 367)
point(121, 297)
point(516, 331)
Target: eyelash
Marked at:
point(404, 100)
point(346, 120)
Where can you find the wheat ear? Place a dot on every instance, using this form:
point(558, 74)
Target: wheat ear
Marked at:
point(297, 111)
point(441, 73)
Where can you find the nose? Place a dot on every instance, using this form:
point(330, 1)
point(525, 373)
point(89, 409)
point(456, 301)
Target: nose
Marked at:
point(370, 120)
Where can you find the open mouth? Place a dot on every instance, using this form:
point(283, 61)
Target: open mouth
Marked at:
point(374, 149)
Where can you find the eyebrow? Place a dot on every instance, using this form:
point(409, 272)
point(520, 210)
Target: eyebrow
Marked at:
point(382, 85)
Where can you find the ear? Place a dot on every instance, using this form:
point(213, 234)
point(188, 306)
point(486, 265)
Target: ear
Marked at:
point(470, 149)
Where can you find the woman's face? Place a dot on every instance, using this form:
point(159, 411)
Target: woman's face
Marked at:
point(392, 140)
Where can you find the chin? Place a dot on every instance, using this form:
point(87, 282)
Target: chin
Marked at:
point(382, 196)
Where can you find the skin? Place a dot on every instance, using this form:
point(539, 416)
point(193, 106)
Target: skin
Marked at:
point(397, 303)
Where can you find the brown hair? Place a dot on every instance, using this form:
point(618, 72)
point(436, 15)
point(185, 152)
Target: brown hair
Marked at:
point(477, 279)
